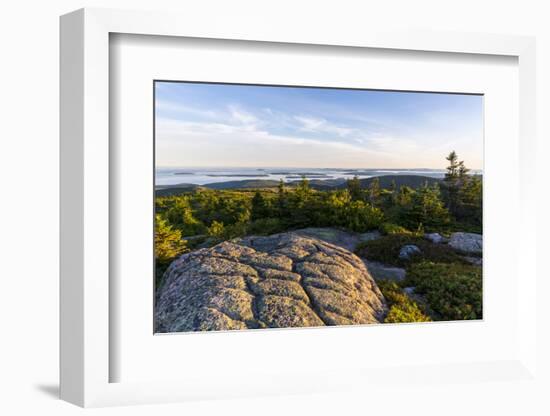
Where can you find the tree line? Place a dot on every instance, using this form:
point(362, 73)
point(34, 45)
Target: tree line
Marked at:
point(453, 203)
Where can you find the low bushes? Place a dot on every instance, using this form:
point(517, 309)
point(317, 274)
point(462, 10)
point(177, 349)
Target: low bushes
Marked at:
point(402, 308)
point(386, 250)
point(452, 291)
point(388, 228)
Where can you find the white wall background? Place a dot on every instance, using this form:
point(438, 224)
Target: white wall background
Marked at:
point(29, 205)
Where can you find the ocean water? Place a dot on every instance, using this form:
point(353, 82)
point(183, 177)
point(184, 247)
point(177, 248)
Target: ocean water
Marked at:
point(203, 176)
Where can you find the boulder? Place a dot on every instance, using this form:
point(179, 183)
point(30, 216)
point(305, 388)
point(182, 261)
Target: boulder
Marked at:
point(467, 242)
point(408, 251)
point(435, 238)
point(284, 280)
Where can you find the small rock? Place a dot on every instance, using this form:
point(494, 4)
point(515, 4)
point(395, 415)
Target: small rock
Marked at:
point(409, 290)
point(407, 251)
point(371, 235)
point(467, 242)
point(435, 238)
point(476, 261)
point(382, 272)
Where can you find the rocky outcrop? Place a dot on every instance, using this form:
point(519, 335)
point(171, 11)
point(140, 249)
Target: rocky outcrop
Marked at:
point(467, 242)
point(284, 280)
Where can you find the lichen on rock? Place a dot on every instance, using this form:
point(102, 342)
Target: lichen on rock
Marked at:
point(283, 280)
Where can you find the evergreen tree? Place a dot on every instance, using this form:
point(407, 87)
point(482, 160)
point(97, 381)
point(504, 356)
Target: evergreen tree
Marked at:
point(452, 183)
point(470, 199)
point(260, 208)
point(462, 170)
point(301, 202)
point(452, 169)
point(282, 200)
point(374, 192)
point(168, 242)
point(354, 188)
point(427, 209)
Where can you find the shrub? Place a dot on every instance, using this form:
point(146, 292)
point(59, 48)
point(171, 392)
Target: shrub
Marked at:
point(267, 226)
point(168, 246)
point(386, 250)
point(402, 308)
point(360, 216)
point(452, 291)
point(216, 229)
point(388, 228)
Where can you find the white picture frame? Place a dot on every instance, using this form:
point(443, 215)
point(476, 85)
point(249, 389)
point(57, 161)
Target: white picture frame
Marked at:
point(85, 204)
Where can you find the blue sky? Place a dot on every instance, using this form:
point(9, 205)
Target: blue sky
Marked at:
point(220, 125)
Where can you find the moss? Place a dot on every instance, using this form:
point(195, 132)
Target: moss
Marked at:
point(452, 291)
point(402, 308)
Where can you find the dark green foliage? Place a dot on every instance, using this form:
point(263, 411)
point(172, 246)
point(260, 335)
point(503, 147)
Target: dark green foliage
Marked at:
point(267, 226)
point(387, 181)
point(401, 307)
point(425, 209)
point(354, 189)
point(360, 216)
point(386, 250)
point(374, 191)
point(260, 207)
point(452, 291)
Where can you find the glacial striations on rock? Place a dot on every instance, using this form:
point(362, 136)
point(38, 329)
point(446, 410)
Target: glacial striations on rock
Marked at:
point(283, 280)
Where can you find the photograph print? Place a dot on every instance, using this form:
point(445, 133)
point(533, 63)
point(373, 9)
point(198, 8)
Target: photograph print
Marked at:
point(290, 206)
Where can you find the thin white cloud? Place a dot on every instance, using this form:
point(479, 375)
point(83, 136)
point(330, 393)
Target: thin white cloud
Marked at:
point(318, 125)
point(219, 144)
point(242, 116)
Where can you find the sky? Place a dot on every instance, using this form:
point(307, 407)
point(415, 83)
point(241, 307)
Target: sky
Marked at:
point(220, 125)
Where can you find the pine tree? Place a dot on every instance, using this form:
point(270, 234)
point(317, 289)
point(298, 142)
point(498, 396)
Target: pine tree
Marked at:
point(168, 242)
point(462, 170)
point(374, 192)
point(260, 209)
point(354, 188)
point(452, 169)
point(452, 181)
point(427, 209)
point(282, 200)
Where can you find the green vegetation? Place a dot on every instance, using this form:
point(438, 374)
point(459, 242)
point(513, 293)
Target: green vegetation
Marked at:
point(192, 217)
point(453, 291)
point(386, 250)
point(168, 245)
point(401, 307)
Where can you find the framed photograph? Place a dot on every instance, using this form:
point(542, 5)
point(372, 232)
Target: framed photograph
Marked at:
point(245, 213)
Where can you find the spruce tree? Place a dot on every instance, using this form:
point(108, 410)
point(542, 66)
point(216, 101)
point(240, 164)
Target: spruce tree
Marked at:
point(260, 208)
point(452, 181)
point(354, 188)
point(374, 192)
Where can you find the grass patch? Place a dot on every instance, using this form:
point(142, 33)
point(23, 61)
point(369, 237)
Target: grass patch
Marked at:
point(386, 250)
point(402, 308)
point(452, 291)
point(389, 228)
